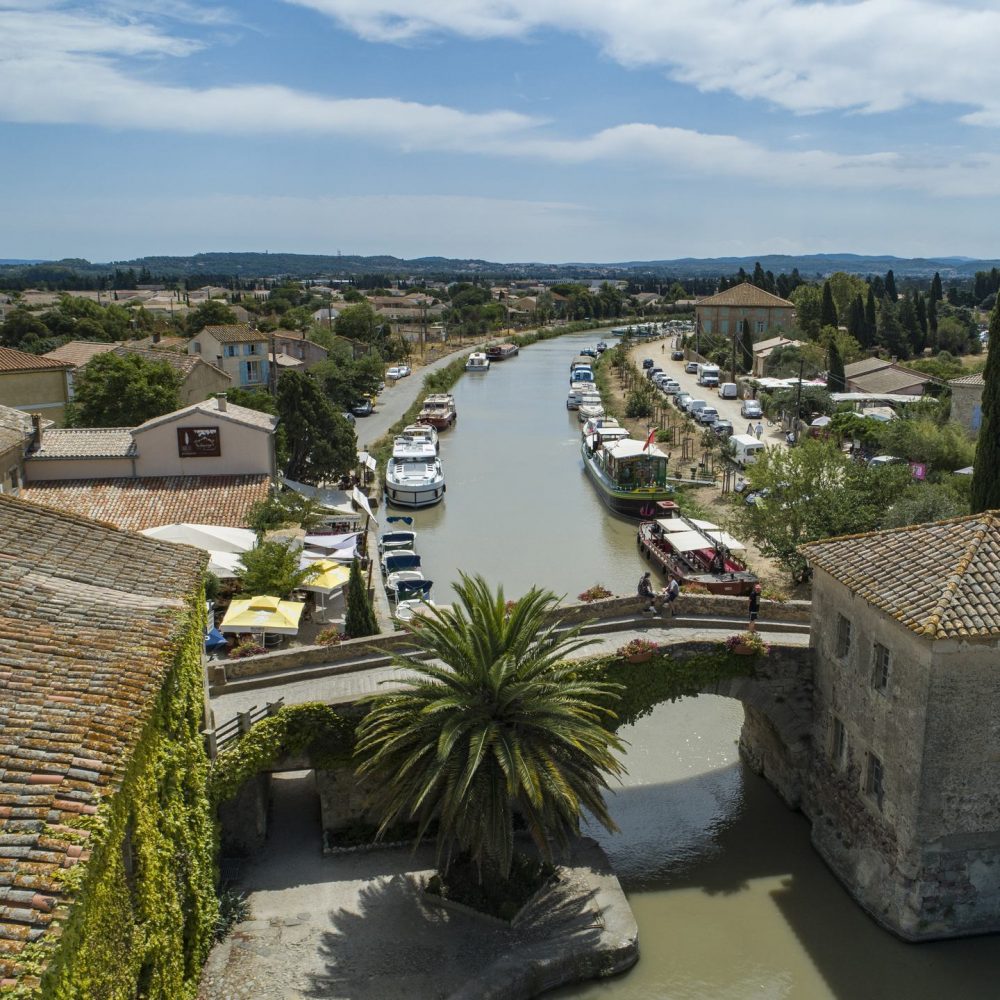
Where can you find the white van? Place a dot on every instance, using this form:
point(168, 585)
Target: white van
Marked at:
point(729, 390)
point(746, 448)
point(708, 374)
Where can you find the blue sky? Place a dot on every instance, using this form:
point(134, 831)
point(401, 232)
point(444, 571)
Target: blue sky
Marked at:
point(511, 130)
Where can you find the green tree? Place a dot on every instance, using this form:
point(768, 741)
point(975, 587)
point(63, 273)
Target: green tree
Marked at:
point(357, 322)
point(498, 723)
point(827, 311)
point(985, 493)
point(835, 379)
point(871, 320)
point(112, 390)
point(213, 312)
point(922, 502)
point(320, 443)
point(936, 294)
point(808, 301)
point(744, 350)
point(24, 331)
point(284, 510)
point(890, 287)
point(272, 569)
point(360, 620)
point(932, 322)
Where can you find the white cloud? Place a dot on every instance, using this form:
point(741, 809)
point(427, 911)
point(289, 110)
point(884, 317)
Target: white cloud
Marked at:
point(802, 55)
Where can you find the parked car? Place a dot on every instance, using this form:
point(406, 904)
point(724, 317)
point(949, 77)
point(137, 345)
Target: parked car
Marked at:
point(694, 405)
point(349, 417)
point(729, 390)
point(403, 370)
point(652, 372)
point(724, 428)
point(681, 398)
point(677, 355)
point(363, 408)
point(648, 362)
point(751, 409)
point(691, 368)
point(393, 374)
point(706, 415)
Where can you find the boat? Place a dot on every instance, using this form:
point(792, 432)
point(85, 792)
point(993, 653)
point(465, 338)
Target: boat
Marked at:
point(501, 352)
point(390, 541)
point(399, 562)
point(588, 410)
point(477, 362)
point(577, 392)
point(694, 551)
point(405, 584)
point(422, 432)
point(630, 476)
point(439, 411)
point(604, 430)
point(406, 611)
point(413, 476)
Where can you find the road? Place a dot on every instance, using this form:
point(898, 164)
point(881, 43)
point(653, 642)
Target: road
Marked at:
point(729, 409)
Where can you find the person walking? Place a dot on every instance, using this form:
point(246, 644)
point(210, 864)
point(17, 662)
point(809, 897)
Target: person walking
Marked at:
point(754, 606)
point(750, 428)
point(670, 594)
point(759, 430)
point(645, 590)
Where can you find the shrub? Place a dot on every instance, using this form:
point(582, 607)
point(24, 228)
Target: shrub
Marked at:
point(330, 637)
point(637, 647)
point(749, 639)
point(246, 647)
point(234, 908)
point(596, 593)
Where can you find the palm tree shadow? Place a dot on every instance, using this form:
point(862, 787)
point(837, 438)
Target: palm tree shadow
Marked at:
point(395, 944)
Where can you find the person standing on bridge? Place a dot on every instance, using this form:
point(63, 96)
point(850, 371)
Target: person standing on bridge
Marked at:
point(754, 607)
point(670, 594)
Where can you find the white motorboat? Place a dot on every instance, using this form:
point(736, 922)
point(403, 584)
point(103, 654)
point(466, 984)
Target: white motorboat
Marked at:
point(578, 393)
point(439, 411)
point(407, 584)
point(413, 476)
point(422, 432)
point(478, 362)
point(397, 539)
point(588, 411)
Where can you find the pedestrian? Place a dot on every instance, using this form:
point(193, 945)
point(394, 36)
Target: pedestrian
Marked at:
point(750, 428)
point(673, 589)
point(645, 590)
point(759, 430)
point(754, 606)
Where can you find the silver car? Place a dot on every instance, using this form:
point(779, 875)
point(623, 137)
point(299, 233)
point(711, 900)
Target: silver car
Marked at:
point(750, 410)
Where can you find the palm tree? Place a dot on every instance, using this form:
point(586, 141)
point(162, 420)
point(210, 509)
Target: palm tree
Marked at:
point(498, 723)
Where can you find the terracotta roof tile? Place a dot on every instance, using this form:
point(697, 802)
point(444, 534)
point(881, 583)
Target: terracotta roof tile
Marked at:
point(866, 365)
point(77, 690)
point(210, 408)
point(79, 352)
point(18, 361)
point(974, 379)
point(939, 579)
point(137, 504)
point(888, 380)
point(86, 442)
point(235, 334)
point(746, 295)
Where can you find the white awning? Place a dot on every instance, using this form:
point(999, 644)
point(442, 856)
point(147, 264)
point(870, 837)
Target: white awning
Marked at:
point(368, 461)
point(333, 500)
point(362, 501)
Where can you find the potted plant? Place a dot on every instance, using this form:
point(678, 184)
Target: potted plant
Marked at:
point(246, 647)
point(747, 644)
point(595, 593)
point(329, 637)
point(637, 650)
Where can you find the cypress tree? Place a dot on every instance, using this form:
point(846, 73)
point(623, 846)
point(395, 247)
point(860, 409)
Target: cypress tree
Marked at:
point(745, 352)
point(936, 294)
point(871, 319)
point(890, 287)
point(932, 321)
point(828, 311)
point(836, 380)
point(911, 327)
point(985, 493)
point(856, 320)
point(360, 618)
point(921, 314)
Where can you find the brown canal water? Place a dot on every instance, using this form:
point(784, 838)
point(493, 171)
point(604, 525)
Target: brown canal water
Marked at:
point(731, 900)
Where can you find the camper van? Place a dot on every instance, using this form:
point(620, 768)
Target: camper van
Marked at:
point(746, 448)
point(708, 374)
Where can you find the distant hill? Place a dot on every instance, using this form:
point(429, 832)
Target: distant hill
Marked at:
point(273, 265)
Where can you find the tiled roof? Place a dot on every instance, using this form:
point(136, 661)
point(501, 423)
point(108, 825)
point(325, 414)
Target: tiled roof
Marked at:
point(865, 366)
point(163, 344)
point(86, 442)
point(79, 352)
point(182, 363)
point(746, 295)
point(154, 501)
point(235, 334)
point(88, 622)
point(976, 379)
point(773, 342)
point(18, 361)
point(15, 427)
point(940, 580)
point(889, 380)
point(210, 408)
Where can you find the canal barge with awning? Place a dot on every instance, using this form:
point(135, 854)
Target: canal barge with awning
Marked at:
point(695, 551)
point(630, 477)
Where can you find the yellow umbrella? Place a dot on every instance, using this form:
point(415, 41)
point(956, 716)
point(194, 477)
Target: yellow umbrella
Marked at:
point(330, 576)
point(263, 614)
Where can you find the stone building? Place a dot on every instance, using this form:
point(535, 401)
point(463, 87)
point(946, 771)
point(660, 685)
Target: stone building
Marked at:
point(904, 791)
point(35, 384)
point(724, 312)
point(241, 352)
point(967, 401)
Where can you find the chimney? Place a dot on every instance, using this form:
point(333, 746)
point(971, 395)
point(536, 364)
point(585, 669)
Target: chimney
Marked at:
point(220, 400)
point(36, 431)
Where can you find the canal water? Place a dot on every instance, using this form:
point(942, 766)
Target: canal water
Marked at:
point(731, 900)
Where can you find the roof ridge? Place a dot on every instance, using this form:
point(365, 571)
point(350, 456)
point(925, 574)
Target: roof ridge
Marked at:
point(957, 576)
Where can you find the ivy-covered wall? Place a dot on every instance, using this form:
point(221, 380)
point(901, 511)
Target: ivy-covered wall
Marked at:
point(145, 908)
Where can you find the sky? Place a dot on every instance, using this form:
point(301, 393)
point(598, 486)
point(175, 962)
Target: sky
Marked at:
point(508, 130)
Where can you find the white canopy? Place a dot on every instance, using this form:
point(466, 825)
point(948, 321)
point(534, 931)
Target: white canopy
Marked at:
point(631, 448)
point(330, 542)
point(333, 500)
point(368, 461)
point(210, 537)
point(683, 539)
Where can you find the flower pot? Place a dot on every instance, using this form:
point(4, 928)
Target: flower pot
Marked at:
point(639, 657)
point(743, 650)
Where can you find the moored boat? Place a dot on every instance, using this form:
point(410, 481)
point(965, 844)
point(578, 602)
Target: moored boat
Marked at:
point(477, 362)
point(695, 551)
point(500, 352)
point(401, 538)
point(439, 411)
point(414, 476)
point(630, 476)
point(422, 432)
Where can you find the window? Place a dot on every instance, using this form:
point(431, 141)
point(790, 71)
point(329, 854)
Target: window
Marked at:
point(707, 326)
point(880, 667)
point(724, 326)
point(254, 373)
point(843, 636)
point(230, 350)
point(760, 326)
point(874, 779)
point(838, 748)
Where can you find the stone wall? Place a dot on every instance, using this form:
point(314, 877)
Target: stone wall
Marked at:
point(967, 406)
point(243, 818)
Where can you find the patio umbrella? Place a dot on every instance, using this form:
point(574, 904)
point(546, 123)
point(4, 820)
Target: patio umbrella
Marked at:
point(330, 576)
point(263, 614)
point(214, 640)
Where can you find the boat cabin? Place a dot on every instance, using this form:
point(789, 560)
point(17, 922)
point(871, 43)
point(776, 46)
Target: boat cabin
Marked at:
point(631, 464)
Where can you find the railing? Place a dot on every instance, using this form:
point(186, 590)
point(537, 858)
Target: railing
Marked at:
point(229, 732)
